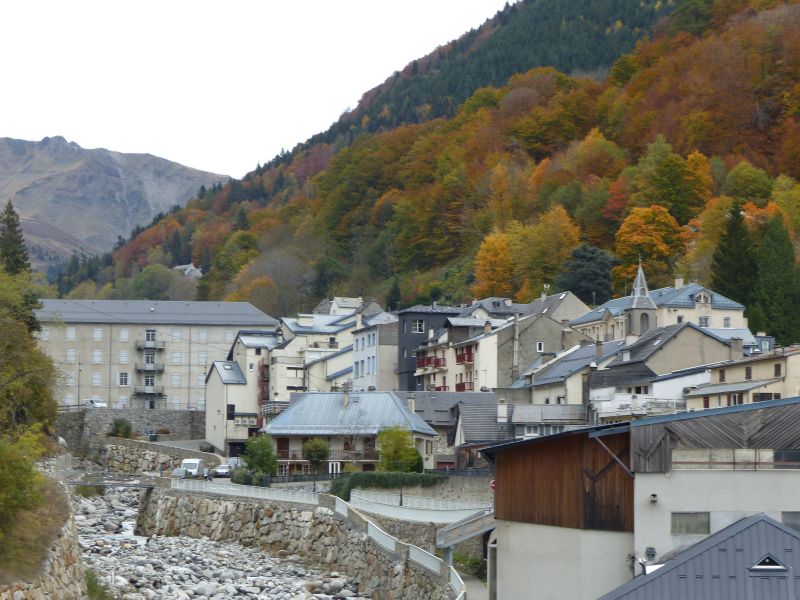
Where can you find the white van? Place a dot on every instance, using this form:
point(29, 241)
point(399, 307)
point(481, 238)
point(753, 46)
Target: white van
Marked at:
point(195, 467)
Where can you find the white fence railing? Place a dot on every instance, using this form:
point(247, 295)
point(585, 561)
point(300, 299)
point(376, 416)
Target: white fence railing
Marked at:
point(419, 501)
point(381, 537)
point(425, 559)
point(248, 491)
point(457, 584)
point(370, 502)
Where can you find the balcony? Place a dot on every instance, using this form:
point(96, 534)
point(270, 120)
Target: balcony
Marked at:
point(149, 345)
point(442, 388)
point(439, 363)
point(421, 363)
point(150, 367)
point(149, 390)
point(465, 358)
point(465, 386)
point(336, 455)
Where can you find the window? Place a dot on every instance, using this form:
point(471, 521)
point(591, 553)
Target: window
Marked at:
point(202, 335)
point(123, 379)
point(726, 322)
point(175, 380)
point(230, 335)
point(355, 367)
point(362, 368)
point(71, 333)
point(202, 357)
point(706, 402)
point(97, 356)
point(97, 334)
point(176, 358)
point(201, 380)
point(44, 334)
point(150, 335)
point(97, 378)
point(691, 523)
point(703, 321)
point(123, 357)
point(777, 369)
point(250, 367)
point(540, 346)
point(149, 380)
point(175, 335)
point(417, 326)
point(71, 355)
point(123, 335)
point(748, 373)
point(722, 375)
point(680, 319)
point(149, 357)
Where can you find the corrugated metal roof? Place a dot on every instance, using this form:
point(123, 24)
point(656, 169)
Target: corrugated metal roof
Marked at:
point(343, 350)
point(153, 312)
point(229, 372)
point(573, 361)
point(721, 567)
point(543, 413)
point(319, 323)
point(259, 341)
point(710, 412)
point(725, 388)
point(479, 423)
point(728, 333)
point(339, 373)
point(325, 413)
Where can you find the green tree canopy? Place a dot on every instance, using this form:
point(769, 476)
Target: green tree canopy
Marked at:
point(316, 452)
point(259, 455)
point(13, 252)
point(396, 451)
point(588, 274)
point(733, 268)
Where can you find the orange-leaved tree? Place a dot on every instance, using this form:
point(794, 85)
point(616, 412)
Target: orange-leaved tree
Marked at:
point(652, 234)
point(493, 267)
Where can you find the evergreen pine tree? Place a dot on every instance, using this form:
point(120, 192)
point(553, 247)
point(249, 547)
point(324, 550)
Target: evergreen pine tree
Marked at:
point(777, 288)
point(733, 268)
point(394, 297)
point(13, 253)
point(240, 221)
point(588, 274)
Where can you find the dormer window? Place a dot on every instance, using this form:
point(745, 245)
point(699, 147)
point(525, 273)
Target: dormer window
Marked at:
point(768, 563)
point(702, 298)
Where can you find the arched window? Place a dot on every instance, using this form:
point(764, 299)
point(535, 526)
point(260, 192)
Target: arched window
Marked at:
point(644, 323)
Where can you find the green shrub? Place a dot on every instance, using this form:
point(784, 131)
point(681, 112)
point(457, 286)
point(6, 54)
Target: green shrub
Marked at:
point(96, 589)
point(121, 428)
point(87, 491)
point(379, 479)
point(206, 447)
point(241, 476)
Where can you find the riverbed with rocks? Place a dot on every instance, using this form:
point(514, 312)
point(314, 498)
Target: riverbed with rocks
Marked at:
point(137, 568)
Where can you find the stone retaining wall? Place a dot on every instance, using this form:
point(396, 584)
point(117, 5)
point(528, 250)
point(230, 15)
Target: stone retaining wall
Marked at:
point(77, 426)
point(423, 535)
point(453, 487)
point(132, 456)
point(62, 574)
point(318, 533)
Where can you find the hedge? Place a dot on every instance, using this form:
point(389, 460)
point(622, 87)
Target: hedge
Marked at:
point(378, 479)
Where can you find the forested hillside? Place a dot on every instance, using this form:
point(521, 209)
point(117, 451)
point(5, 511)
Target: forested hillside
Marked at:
point(495, 200)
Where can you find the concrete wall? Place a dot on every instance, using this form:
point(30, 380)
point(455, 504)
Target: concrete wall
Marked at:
point(423, 535)
point(318, 533)
point(62, 575)
point(76, 427)
point(469, 489)
point(555, 563)
point(688, 349)
point(727, 495)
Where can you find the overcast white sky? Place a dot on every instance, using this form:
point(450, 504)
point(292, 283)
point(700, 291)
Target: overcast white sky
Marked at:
point(219, 85)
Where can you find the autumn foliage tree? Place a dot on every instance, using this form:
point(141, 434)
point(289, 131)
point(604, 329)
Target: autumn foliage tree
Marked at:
point(652, 234)
point(493, 267)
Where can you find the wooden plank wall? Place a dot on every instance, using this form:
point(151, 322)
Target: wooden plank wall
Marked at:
point(568, 481)
point(768, 427)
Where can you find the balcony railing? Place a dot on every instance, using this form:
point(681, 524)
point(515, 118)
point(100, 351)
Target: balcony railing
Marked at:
point(335, 455)
point(150, 344)
point(465, 386)
point(145, 390)
point(421, 363)
point(439, 362)
point(442, 388)
point(465, 358)
point(150, 367)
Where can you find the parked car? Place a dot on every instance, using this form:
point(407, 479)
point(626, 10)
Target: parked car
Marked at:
point(97, 403)
point(222, 471)
point(179, 473)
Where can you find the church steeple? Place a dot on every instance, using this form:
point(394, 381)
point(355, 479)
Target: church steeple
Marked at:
point(641, 310)
point(641, 295)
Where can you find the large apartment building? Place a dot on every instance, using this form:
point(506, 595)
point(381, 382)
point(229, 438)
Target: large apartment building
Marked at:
point(141, 353)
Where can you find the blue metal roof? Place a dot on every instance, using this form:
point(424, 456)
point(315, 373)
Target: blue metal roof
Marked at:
point(572, 362)
point(327, 413)
point(337, 374)
point(710, 412)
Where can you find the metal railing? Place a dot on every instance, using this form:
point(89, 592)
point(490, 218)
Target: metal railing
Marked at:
point(465, 386)
point(476, 524)
point(148, 389)
point(420, 501)
point(457, 585)
point(247, 491)
point(154, 344)
point(425, 559)
point(381, 537)
point(410, 512)
point(154, 367)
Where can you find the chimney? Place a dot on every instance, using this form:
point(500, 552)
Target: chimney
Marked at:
point(359, 320)
point(502, 413)
point(487, 327)
point(737, 348)
point(678, 281)
point(346, 394)
point(411, 401)
point(598, 349)
point(515, 350)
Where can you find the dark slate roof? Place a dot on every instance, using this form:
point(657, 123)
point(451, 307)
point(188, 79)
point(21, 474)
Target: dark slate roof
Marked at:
point(435, 408)
point(682, 297)
point(724, 566)
point(479, 423)
point(229, 372)
point(725, 388)
point(650, 342)
point(325, 413)
point(428, 308)
point(154, 312)
point(339, 373)
point(624, 374)
point(495, 306)
point(572, 362)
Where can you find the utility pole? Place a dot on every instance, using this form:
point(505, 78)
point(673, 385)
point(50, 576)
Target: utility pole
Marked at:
point(79, 381)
